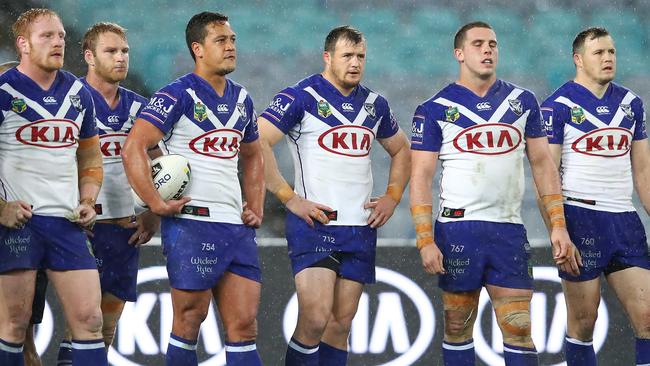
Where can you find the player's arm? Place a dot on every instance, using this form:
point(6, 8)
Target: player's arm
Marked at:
point(423, 167)
point(547, 181)
point(640, 156)
point(253, 183)
point(398, 147)
point(556, 155)
point(90, 175)
point(146, 222)
point(142, 138)
point(275, 182)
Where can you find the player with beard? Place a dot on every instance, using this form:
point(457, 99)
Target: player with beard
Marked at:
point(330, 121)
point(51, 172)
point(597, 132)
point(479, 127)
point(30, 353)
point(208, 239)
point(117, 233)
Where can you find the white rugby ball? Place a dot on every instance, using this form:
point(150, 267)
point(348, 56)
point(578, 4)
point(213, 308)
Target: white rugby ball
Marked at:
point(171, 175)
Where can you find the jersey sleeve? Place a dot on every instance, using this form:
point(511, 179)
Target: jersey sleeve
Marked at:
point(389, 125)
point(426, 134)
point(555, 117)
point(640, 132)
point(534, 123)
point(251, 132)
point(88, 124)
point(285, 110)
point(5, 103)
point(164, 109)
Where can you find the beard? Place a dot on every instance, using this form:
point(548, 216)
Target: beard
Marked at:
point(225, 70)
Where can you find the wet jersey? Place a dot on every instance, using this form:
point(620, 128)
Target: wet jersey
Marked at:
point(39, 133)
point(481, 144)
point(115, 199)
point(596, 135)
point(207, 129)
point(330, 136)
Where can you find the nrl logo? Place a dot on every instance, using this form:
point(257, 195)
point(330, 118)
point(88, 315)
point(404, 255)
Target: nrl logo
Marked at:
point(242, 110)
point(370, 109)
point(627, 109)
point(18, 105)
point(75, 100)
point(515, 106)
point(452, 114)
point(200, 112)
point(324, 109)
point(577, 115)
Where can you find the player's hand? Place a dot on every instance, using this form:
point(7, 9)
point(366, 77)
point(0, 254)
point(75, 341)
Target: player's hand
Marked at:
point(432, 259)
point(171, 207)
point(382, 209)
point(15, 214)
point(565, 254)
point(146, 225)
point(250, 218)
point(84, 215)
point(308, 210)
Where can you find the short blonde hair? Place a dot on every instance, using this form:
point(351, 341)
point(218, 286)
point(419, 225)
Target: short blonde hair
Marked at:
point(24, 21)
point(89, 41)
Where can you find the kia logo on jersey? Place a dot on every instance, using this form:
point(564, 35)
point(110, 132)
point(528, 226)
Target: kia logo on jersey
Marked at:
point(347, 140)
point(111, 144)
point(609, 142)
point(219, 143)
point(488, 139)
point(49, 133)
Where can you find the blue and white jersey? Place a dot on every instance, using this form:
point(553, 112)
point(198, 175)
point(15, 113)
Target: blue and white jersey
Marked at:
point(481, 144)
point(330, 136)
point(115, 200)
point(596, 136)
point(207, 129)
point(39, 133)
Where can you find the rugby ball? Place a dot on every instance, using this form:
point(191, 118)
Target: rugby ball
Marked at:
point(171, 175)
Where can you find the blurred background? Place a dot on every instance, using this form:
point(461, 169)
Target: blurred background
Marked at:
point(409, 57)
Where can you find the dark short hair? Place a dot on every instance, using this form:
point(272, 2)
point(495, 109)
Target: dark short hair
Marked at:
point(459, 38)
point(196, 28)
point(346, 32)
point(589, 33)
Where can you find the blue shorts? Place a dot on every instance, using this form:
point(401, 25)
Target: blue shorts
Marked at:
point(308, 246)
point(199, 252)
point(605, 240)
point(117, 260)
point(478, 253)
point(45, 242)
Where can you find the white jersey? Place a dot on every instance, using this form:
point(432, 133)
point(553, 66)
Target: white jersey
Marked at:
point(39, 134)
point(115, 199)
point(330, 136)
point(596, 136)
point(481, 143)
point(207, 129)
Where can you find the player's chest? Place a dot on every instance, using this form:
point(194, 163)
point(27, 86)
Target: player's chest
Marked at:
point(113, 128)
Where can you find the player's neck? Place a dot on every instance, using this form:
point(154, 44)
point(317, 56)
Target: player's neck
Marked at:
point(593, 86)
point(108, 90)
point(43, 78)
point(344, 91)
point(218, 82)
point(477, 85)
